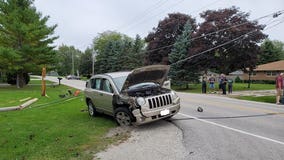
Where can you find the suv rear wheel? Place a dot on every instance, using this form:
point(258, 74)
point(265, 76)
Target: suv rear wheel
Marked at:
point(91, 108)
point(123, 116)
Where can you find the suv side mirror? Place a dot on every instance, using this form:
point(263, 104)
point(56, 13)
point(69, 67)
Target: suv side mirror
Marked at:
point(86, 84)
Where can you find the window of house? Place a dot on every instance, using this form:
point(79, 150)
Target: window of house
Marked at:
point(271, 74)
point(253, 74)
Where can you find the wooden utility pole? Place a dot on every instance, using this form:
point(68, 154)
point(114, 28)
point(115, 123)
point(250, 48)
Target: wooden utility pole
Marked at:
point(43, 85)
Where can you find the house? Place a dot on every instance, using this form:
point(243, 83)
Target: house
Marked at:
point(266, 71)
point(235, 74)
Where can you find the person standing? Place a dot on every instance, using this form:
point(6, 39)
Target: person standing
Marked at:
point(220, 84)
point(211, 83)
point(279, 87)
point(230, 86)
point(204, 86)
point(223, 83)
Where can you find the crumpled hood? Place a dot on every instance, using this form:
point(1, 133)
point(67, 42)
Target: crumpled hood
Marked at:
point(154, 73)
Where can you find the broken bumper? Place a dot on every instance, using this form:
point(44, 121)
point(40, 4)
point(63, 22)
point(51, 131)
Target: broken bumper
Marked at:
point(151, 115)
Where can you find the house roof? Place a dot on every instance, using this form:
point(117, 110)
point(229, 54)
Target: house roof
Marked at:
point(237, 72)
point(273, 66)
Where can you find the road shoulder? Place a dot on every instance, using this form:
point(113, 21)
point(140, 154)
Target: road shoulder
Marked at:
point(159, 140)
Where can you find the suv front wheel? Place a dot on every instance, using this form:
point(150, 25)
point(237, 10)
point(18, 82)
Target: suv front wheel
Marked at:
point(91, 108)
point(123, 116)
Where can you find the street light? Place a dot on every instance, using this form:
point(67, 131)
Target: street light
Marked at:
point(93, 61)
point(73, 70)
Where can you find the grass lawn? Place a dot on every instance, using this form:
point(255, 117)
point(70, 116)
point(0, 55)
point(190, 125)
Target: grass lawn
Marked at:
point(267, 99)
point(38, 82)
point(196, 88)
point(51, 128)
point(11, 96)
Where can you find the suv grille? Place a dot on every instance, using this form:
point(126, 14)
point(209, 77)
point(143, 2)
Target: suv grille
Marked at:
point(160, 101)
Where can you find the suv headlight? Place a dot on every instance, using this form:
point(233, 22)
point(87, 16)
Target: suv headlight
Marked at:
point(174, 95)
point(140, 101)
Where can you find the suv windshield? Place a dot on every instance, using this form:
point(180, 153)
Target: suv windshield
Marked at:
point(119, 81)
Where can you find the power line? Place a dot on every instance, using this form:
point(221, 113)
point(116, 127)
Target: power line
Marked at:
point(210, 4)
point(199, 9)
point(224, 29)
point(141, 21)
point(145, 12)
point(221, 45)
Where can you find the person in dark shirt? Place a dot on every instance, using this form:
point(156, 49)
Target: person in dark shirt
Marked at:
point(223, 83)
point(230, 86)
point(204, 85)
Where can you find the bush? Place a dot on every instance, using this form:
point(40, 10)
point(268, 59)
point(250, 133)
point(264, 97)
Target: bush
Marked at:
point(238, 80)
point(261, 81)
point(12, 78)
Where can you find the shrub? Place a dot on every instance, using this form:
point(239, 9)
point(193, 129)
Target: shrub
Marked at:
point(238, 80)
point(12, 78)
point(261, 81)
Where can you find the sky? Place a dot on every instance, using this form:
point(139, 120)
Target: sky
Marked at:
point(80, 21)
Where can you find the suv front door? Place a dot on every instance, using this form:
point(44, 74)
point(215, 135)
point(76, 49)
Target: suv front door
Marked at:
point(102, 93)
point(106, 96)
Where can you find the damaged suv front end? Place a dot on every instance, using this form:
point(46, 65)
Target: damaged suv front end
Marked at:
point(138, 97)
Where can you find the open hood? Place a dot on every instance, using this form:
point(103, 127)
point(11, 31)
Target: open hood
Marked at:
point(154, 73)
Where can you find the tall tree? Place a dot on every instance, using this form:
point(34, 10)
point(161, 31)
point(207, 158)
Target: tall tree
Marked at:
point(68, 60)
point(24, 38)
point(161, 39)
point(180, 73)
point(86, 62)
point(228, 25)
point(137, 52)
point(279, 45)
point(271, 51)
point(116, 52)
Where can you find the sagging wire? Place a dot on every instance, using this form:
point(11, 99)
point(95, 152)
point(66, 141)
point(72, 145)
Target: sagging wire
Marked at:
point(228, 42)
point(54, 102)
point(224, 29)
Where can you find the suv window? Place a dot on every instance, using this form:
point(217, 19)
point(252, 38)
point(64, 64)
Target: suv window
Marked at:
point(96, 83)
point(106, 86)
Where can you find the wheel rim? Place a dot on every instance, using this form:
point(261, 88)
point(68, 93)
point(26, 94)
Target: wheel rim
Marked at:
point(123, 118)
point(91, 109)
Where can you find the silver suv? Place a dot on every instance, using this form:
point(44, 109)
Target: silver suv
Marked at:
point(135, 97)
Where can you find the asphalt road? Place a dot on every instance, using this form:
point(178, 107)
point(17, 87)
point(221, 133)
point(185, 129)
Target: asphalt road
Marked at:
point(226, 129)
point(72, 83)
point(230, 129)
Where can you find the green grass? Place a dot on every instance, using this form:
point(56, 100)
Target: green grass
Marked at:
point(266, 99)
point(11, 96)
point(61, 130)
point(196, 88)
point(38, 82)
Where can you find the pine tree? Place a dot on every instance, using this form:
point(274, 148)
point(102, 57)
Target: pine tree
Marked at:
point(179, 72)
point(24, 38)
point(269, 52)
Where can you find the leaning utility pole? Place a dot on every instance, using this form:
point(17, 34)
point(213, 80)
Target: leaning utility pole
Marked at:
point(93, 61)
point(73, 70)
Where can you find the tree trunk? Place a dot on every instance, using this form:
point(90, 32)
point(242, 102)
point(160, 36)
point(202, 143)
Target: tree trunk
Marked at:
point(249, 80)
point(20, 80)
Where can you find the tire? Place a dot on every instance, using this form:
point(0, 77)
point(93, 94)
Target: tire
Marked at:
point(123, 116)
point(91, 109)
